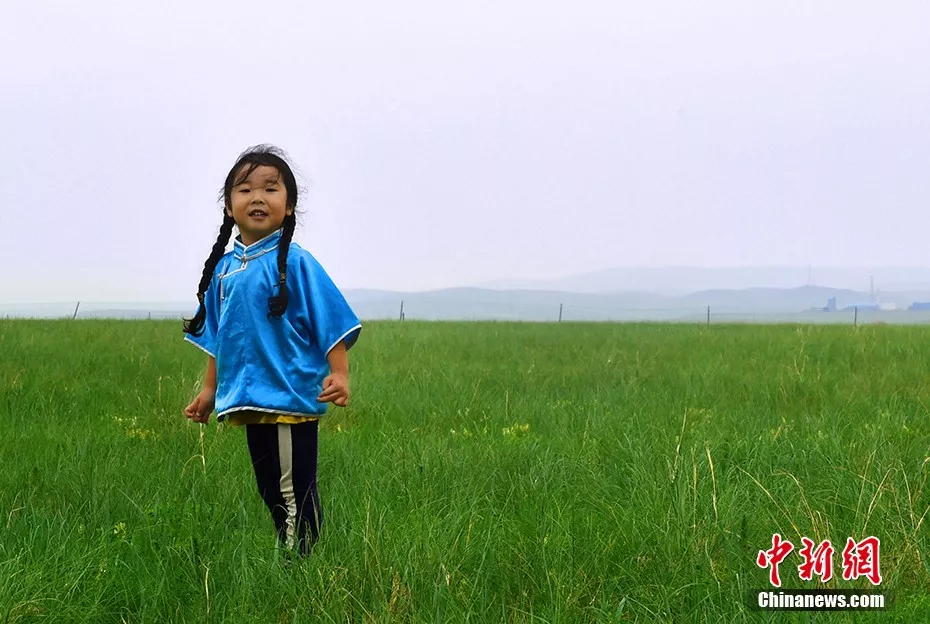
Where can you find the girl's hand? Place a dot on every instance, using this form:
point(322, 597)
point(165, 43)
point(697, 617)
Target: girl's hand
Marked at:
point(335, 390)
point(202, 406)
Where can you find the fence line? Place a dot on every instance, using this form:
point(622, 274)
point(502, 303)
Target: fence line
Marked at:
point(496, 310)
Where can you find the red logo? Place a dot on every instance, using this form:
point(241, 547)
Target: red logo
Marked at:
point(861, 560)
point(819, 561)
point(773, 557)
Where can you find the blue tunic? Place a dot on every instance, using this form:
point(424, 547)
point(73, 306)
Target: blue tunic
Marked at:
point(268, 364)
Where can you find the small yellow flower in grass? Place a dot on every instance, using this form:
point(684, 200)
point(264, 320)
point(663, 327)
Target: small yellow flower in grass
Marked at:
point(133, 430)
point(698, 414)
point(338, 427)
point(119, 530)
point(516, 429)
point(142, 434)
point(130, 422)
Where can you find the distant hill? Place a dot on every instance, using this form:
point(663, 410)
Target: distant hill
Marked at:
point(524, 304)
point(674, 280)
point(478, 303)
point(544, 305)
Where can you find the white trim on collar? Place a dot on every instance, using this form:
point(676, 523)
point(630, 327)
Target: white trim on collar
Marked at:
point(240, 245)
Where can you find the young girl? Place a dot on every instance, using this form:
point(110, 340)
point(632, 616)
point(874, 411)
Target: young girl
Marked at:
point(276, 330)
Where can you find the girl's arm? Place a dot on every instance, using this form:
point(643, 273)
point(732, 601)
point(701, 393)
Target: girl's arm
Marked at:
point(202, 406)
point(209, 381)
point(338, 360)
point(336, 384)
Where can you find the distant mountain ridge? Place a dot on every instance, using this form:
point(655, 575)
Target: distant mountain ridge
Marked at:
point(468, 302)
point(624, 295)
point(681, 280)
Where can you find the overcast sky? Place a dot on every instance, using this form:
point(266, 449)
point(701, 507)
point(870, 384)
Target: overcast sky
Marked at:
point(447, 144)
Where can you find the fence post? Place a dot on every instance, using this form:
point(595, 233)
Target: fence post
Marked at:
point(856, 316)
point(76, 310)
point(560, 312)
point(708, 315)
point(401, 310)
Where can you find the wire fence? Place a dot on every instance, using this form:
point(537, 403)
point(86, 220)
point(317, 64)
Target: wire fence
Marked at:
point(497, 309)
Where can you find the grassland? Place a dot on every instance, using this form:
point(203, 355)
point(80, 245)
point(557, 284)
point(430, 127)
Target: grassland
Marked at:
point(484, 473)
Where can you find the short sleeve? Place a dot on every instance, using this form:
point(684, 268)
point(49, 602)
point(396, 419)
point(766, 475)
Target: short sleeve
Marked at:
point(331, 318)
point(207, 340)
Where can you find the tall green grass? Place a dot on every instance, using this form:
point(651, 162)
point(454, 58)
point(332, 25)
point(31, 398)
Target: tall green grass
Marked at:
point(483, 472)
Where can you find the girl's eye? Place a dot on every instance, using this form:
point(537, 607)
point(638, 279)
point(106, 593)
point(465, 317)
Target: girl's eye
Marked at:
point(244, 190)
point(271, 190)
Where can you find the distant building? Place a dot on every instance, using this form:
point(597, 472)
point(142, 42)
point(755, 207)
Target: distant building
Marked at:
point(870, 305)
point(920, 305)
point(830, 307)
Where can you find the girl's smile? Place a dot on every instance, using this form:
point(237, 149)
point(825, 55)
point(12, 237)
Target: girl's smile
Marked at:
point(258, 204)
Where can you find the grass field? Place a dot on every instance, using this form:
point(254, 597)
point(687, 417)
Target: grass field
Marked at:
point(483, 473)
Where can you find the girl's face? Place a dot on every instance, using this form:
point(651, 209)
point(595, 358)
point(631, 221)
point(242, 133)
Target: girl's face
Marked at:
point(258, 204)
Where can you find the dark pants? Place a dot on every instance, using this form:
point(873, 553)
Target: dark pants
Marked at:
point(284, 458)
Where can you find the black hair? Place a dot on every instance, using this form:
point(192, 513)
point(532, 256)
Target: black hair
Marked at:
point(248, 161)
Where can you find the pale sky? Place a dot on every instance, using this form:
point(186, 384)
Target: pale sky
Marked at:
point(448, 144)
